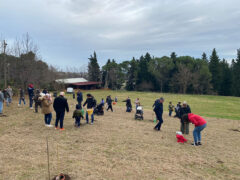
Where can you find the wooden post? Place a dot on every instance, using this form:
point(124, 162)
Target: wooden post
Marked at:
point(48, 159)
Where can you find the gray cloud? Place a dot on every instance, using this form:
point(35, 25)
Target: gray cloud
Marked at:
point(68, 31)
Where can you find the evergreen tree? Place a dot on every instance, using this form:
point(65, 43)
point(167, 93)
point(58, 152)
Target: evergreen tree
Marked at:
point(93, 69)
point(236, 75)
point(132, 76)
point(214, 68)
point(174, 57)
point(144, 78)
point(226, 79)
point(147, 57)
point(204, 57)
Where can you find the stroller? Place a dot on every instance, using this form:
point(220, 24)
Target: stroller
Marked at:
point(99, 109)
point(139, 113)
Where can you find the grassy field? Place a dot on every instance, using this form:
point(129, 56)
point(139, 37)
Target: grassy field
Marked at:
point(205, 105)
point(117, 147)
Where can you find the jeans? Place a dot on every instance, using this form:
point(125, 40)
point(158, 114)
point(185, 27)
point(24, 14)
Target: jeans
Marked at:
point(1, 107)
point(48, 118)
point(129, 109)
point(8, 101)
point(30, 101)
point(77, 121)
point(59, 117)
point(22, 99)
point(92, 116)
point(170, 113)
point(159, 124)
point(197, 133)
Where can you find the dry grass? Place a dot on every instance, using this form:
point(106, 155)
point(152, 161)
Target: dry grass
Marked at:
point(116, 147)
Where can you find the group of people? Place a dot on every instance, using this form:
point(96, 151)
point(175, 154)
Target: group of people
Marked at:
point(183, 112)
point(45, 101)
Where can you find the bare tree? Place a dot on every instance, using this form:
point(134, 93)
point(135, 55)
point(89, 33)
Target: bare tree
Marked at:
point(183, 77)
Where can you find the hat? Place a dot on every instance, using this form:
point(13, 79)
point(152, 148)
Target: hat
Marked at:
point(185, 102)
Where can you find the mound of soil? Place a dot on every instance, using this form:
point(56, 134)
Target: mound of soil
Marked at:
point(67, 177)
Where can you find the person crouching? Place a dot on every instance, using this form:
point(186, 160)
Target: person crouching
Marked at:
point(199, 122)
point(78, 115)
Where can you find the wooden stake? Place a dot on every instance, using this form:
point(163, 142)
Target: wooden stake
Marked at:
point(57, 159)
point(48, 159)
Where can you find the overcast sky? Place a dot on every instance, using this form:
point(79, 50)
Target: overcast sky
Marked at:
point(68, 31)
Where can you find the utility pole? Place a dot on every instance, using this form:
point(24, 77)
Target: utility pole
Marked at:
point(5, 68)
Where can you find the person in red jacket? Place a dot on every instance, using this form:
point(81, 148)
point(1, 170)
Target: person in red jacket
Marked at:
point(199, 123)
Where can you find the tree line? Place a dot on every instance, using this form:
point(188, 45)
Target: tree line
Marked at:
point(23, 65)
point(175, 74)
point(183, 74)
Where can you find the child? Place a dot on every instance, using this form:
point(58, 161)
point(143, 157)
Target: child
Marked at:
point(137, 103)
point(109, 103)
point(77, 114)
point(170, 108)
point(199, 123)
point(37, 101)
point(21, 96)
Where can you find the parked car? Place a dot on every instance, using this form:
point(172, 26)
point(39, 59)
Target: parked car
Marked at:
point(70, 90)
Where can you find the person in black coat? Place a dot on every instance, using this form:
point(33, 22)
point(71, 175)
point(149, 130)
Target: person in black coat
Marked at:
point(128, 104)
point(158, 109)
point(109, 102)
point(185, 109)
point(31, 95)
point(60, 105)
point(79, 98)
point(91, 104)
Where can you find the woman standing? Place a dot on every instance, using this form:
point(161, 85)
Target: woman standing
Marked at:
point(47, 109)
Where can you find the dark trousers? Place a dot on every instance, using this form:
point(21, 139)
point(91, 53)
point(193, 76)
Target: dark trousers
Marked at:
point(184, 128)
point(77, 121)
point(59, 117)
point(48, 118)
point(129, 109)
point(110, 107)
point(160, 121)
point(170, 113)
point(30, 101)
point(80, 104)
point(36, 106)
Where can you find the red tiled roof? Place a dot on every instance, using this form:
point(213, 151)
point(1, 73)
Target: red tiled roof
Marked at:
point(86, 83)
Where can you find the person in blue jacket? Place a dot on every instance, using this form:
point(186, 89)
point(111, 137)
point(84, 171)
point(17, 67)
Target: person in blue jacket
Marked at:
point(158, 109)
point(79, 98)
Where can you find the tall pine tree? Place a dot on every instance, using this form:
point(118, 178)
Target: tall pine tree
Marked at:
point(214, 68)
point(93, 69)
point(204, 57)
point(132, 75)
point(236, 75)
point(226, 79)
